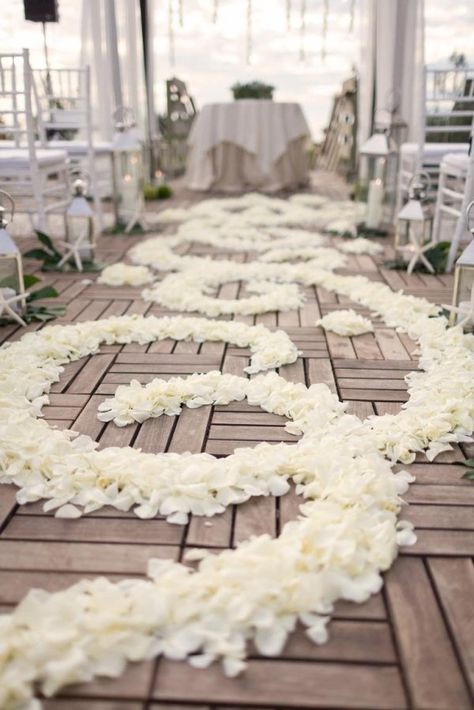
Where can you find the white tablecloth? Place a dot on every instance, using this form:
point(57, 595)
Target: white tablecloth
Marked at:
point(248, 143)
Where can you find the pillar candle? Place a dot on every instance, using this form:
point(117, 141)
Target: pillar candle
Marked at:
point(374, 204)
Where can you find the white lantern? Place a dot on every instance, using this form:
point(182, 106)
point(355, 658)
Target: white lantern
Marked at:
point(378, 178)
point(79, 221)
point(128, 171)
point(414, 217)
point(12, 288)
point(462, 309)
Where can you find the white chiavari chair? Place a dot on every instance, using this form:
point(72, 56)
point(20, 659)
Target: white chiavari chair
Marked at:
point(65, 121)
point(449, 100)
point(36, 178)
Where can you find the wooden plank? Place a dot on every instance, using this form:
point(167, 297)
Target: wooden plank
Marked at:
point(371, 394)
point(372, 364)
point(32, 527)
point(250, 433)
point(255, 517)
point(210, 532)
point(429, 662)
point(113, 435)
point(361, 641)
point(435, 473)
point(14, 585)
point(178, 357)
point(454, 581)
point(370, 374)
point(91, 374)
point(390, 345)
point(455, 543)
point(372, 384)
point(360, 409)
point(70, 370)
point(7, 502)
point(133, 684)
point(87, 422)
point(80, 556)
point(258, 418)
point(447, 494)
point(154, 435)
point(294, 372)
point(302, 685)
point(71, 704)
point(190, 430)
point(341, 347)
point(158, 369)
point(321, 371)
point(451, 517)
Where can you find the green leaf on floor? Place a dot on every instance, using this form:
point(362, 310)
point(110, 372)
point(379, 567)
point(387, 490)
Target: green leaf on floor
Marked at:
point(45, 292)
point(469, 475)
point(437, 256)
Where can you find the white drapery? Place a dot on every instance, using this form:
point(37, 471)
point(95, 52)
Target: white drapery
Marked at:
point(111, 44)
point(391, 67)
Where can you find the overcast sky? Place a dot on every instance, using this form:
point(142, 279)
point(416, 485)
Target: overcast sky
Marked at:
point(211, 57)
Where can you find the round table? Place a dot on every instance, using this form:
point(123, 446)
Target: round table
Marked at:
point(250, 143)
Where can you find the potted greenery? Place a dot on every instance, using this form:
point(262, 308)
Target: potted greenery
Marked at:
point(252, 90)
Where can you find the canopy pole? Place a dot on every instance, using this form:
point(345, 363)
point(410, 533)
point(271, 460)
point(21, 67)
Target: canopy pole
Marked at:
point(112, 50)
point(147, 40)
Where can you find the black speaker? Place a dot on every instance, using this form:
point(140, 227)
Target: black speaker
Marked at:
point(41, 10)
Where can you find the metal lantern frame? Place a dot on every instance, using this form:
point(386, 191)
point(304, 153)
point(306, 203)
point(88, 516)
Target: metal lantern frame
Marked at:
point(79, 212)
point(128, 171)
point(13, 304)
point(417, 225)
point(462, 311)
point(414, 211)
point(380, 154)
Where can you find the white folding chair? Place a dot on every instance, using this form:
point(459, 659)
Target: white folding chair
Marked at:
point(65, 121)
point(455, 193)
point(36, 178)
point(449, 101)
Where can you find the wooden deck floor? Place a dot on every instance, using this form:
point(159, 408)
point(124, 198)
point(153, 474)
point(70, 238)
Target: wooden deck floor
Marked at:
point(412, 646)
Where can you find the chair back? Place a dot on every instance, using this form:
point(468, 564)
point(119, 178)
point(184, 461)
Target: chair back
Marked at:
point(449, 104)
point(17, 125)
point(64, 107)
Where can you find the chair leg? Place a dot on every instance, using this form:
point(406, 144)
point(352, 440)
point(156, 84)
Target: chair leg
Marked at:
point(438, 216)
point(455, 241)
point(95, 193)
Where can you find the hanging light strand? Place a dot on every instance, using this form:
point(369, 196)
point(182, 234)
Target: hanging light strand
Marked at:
point(215, 11)
point(181, 13)
point(302, 30)
point(249, 46)
point(352, 16)
point(288, 14)
point(325, 29)
point(171, 33)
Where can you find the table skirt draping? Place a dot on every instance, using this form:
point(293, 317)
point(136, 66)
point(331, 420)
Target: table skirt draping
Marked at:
point(248, 144)
point(230, 168)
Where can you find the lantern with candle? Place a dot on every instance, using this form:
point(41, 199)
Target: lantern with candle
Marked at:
point(378, 178)
point(79, 220)
point(12, 289)
point(414, 222)
point(462, 309)
point(128, 171)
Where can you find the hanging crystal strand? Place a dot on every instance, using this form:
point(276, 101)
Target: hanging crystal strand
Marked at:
point(181, 13)
point(248, 51)
point(215, 11)
point(171, 33)
point(352, 16)
point(325, 29)
point(288, 14)
point(302, 30)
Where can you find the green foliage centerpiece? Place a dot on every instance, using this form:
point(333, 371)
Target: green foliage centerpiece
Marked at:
point(252, 90)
